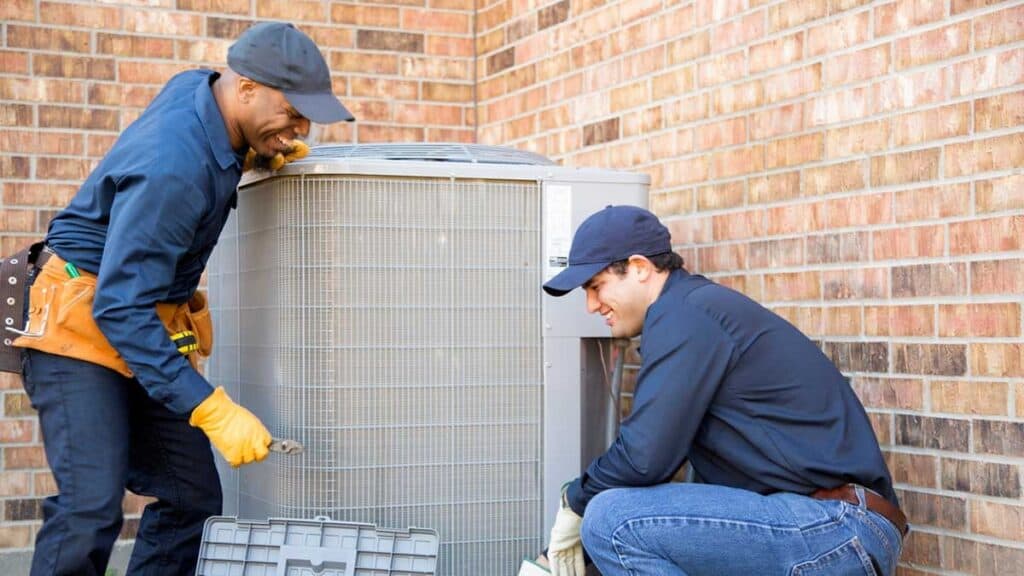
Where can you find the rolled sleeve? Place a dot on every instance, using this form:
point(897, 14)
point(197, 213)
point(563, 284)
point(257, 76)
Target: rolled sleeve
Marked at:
point(685, 357)
point(153, 220)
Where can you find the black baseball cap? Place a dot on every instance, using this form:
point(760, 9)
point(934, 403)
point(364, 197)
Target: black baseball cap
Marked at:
point(612, 234)
point(278, 55)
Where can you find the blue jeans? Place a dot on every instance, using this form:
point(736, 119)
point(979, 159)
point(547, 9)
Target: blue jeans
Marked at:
point(701, 529)
point(103, 434)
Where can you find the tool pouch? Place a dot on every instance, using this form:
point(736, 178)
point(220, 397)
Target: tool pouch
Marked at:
point(60, 319)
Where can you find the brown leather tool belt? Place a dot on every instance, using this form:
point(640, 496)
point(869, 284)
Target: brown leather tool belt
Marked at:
point(14, 272)
point(874, 502)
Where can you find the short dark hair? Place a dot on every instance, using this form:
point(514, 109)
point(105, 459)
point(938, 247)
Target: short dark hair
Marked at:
point(665, 262)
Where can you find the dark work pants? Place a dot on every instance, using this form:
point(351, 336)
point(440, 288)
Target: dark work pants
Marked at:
point(103, 434)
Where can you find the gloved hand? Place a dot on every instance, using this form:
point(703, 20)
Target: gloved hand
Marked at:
point(565, 549)
point(236, 433)
point(298, 150)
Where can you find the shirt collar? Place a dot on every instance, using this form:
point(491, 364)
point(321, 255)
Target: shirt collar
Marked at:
point(213, 124)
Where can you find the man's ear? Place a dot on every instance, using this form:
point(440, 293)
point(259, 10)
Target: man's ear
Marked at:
point(246, 89)
point(642, 266)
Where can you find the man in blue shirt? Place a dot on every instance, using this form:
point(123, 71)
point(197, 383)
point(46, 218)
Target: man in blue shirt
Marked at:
point(791, 479)
point(115, 323)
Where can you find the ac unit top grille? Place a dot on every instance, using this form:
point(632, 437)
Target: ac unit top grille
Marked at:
point(472, 153)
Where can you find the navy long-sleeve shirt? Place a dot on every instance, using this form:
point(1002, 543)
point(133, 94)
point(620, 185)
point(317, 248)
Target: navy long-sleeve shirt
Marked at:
point(749, 399)
point(145, 222)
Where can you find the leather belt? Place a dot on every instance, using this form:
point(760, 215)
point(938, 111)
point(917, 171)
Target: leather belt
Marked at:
point(874, 502)
point(44, 255)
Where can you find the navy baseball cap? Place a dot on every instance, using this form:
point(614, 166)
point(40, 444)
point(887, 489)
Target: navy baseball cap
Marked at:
point(278, 55)
point(615, 233)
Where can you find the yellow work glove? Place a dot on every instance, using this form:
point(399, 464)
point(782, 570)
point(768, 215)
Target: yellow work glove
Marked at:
point(565, 549)
point(236, 433)
point(276, 162)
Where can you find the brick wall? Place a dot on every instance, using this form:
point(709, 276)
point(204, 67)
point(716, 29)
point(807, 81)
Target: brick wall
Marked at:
point(73, 74)
point(854, 165)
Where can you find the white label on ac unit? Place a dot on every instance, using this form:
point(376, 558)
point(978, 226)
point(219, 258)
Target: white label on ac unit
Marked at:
point(557, 228)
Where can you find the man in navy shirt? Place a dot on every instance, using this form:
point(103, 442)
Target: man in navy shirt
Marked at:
point(115, 323)
point(790, 478)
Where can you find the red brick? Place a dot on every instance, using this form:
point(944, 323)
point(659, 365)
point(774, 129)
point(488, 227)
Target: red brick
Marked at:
point(149, 72)
point(15, 115)
point(79, 15)
point(856, 66)
point(833, 178)
point(688, 48)
point(216, 6)
point(637, 122)
point(932, 203)
point(717, 10)
point(951, 434)
point(737, 32)
point(214, 51)
point(41, 90)
point(916, 166)
point(381, 64)
point(451, 46)
point(672, 203)
point(843, 321)
point(998, 28)
point(55, 39)
point(891, 393)
point(962, 397)
point(988, 72)
point(794, 13)
point(134, 46)
point(685, 171)
point(1004, 521)
point(16, 536)
point(774, 187)
point(807, 319)
point(676, 82)
point(292, 10)
point(777, 121)
point(947, 279)
point(22, 457)
point(738, 225)
point(776, 53)
point(991, 235)
point(436, 21)
point(691, 230)
point(738, 161)
point(15, 484)
point(998, 360)
point(858, 139)
point(934, 510)
point(73, 66)
point(723, 257)
point(727, 100)
point(775, 253)
point(791, 286)
point(841, 106)
point(1002, 111)
point(839, 34)
point(795, 150)
point(935, 124)
point(856, 283)
point(933, 45)
point(960, 6)
point(916, 242)
point(910, 89)
point(989, 478)
point(796, 219)
point(13, 62)
point(842, 247)
point(919, 548)
point(365, 15)
point(915, 469)
point(998, 153)
point(48, 168)
point(999, 194)
point(903, 15)
point(81, 118)
point(792, 83)
point(721, 196)
point(17, 431)
point(997, 277)
point(722, 69)
point(671, 144)
point(38, 193)
point(720, 134)
point(860, 210)
point(899, 320)
point(15, 167)
point(18, 10)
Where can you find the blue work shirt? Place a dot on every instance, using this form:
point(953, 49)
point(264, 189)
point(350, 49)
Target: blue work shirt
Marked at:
point(749, 399)
point(145, 222)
